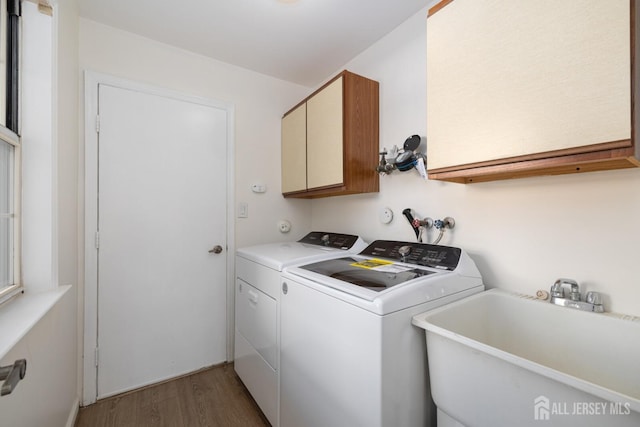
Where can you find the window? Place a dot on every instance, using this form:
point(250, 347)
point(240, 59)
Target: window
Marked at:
point(10, 282)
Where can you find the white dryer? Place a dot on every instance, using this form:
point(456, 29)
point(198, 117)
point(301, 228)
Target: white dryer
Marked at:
point(349, 355)
point(257, 296)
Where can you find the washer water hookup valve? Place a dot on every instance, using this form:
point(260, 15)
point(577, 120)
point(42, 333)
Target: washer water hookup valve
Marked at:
point(447, 222)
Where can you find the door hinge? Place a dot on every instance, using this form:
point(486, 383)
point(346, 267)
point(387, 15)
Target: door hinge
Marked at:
point(95, 356)
point(97, 240)
point(97, 123)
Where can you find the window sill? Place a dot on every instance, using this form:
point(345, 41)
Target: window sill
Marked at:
point(23, 313)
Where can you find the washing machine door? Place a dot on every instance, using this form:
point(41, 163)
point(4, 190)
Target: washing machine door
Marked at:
point(371, 273)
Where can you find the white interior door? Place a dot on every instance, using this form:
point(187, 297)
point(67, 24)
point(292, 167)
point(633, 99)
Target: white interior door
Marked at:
point(162, 183)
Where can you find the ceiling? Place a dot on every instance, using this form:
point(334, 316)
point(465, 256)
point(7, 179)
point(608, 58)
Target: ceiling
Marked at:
point(301, 41)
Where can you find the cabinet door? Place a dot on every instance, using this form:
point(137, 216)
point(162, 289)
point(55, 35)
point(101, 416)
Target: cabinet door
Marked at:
point(508, 79)
point(325, 137)
point(294, 150)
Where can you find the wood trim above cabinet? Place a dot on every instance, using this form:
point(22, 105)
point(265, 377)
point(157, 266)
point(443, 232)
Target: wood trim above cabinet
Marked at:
point(360, 130)
point(611, 155)
point(434, 9)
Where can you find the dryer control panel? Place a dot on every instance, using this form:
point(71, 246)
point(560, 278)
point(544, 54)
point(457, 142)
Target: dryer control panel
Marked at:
point(330, 240)
point(434, 256)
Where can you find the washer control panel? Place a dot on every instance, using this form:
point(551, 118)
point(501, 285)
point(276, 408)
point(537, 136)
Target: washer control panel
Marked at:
point(434, 256)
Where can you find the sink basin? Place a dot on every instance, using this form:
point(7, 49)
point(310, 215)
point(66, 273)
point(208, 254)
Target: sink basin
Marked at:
point(502, 359)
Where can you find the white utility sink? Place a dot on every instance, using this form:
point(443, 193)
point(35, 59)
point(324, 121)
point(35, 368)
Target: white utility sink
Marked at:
point(502, 359)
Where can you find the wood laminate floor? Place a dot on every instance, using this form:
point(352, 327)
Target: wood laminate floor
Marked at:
point(212, 397)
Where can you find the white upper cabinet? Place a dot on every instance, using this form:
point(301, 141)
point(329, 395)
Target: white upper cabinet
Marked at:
point(528, 88)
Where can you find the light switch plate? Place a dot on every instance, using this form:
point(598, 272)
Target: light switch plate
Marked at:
point(243, 210)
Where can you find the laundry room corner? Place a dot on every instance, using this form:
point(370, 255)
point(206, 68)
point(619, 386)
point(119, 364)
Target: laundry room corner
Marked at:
point(552, 221)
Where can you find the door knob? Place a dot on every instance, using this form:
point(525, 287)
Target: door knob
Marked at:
point(216, 249)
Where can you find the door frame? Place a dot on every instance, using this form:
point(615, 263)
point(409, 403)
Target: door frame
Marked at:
point(90, 335)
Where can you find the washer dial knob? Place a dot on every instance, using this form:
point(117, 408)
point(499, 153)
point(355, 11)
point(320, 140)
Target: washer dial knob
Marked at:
point(404, 250)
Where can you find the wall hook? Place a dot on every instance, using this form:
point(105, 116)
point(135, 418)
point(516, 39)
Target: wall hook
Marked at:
point(11, 375)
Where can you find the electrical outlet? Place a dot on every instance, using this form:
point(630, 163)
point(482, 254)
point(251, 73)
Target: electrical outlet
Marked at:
point(385, 215)
point(284, 226)
point(258, 188)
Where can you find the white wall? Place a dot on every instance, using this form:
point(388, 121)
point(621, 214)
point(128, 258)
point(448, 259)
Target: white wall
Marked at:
point(49, 393)
point(524, 233)
point(259, 101)
point(66, 133)
point(47, 396)
point(37, 150)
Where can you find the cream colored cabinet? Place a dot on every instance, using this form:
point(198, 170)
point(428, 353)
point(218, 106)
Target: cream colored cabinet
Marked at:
point(330, 141)
point(325, 136)
point(532, 88)
point(294, 150)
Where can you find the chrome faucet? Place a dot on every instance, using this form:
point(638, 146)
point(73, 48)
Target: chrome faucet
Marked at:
point(593, 300)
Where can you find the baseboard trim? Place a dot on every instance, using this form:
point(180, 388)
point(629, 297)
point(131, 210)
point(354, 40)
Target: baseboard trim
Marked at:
point(73, 413)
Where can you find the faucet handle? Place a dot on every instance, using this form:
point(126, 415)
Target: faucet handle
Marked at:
point(595, 299)
point(557, 290)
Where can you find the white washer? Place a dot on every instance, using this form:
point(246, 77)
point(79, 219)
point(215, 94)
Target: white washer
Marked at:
point(258, 270)
point(349, 355)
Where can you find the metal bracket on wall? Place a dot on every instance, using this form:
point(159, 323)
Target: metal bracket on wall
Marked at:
point(11, 375)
